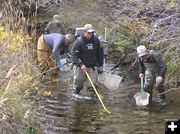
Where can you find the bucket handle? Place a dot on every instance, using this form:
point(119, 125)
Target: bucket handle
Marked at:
point(142, 86)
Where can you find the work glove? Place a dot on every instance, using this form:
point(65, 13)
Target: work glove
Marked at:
point(158, 80)
point(100, 70)
point(59, 64)
point(84, 68)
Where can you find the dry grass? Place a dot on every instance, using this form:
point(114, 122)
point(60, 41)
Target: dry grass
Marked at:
point(16, 61)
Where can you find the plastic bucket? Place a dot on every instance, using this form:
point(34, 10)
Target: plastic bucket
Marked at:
point(142, 98)
point(112, 81)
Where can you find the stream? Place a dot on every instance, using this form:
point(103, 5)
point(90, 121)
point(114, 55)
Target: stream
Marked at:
point(61, 113)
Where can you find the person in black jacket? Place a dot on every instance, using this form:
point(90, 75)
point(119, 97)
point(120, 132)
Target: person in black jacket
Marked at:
point(86, 56)
point(153, 68)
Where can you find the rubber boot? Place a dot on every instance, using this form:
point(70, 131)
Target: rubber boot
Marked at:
point(90, 89)
point(162, 99)
point(161, 96)
point(149, 90)
point(77, 90)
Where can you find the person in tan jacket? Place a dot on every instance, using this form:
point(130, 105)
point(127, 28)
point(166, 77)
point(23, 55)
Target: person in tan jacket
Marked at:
point(48, 51)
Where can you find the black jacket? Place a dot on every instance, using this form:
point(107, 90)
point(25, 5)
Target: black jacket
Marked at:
point(87, 52)
point(154, 57)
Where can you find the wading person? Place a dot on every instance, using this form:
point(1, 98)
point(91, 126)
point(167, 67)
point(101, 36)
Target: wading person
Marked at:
point(48, 51)
point(153, 70)
point(103, 44)
point(55, 26)
point(86, 56)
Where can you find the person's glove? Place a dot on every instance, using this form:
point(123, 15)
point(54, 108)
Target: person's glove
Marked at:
point(158, 80)
point(59, 64)
point(84, 68)
point(100, 70)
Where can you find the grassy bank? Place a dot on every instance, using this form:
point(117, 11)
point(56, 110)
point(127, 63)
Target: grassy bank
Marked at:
point(17, 52)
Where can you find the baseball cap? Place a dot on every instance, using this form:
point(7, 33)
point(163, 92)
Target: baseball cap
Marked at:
point(141, 50)
point(89, 28)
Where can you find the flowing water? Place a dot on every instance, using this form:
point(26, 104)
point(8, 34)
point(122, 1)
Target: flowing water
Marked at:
point(61, 113)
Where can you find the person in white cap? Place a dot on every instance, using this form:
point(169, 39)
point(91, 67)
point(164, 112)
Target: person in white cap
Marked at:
point(55, 26)
point(86, 56)
point(153, 69)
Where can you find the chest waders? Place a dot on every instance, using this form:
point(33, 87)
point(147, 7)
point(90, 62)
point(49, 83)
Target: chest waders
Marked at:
point(152, 71)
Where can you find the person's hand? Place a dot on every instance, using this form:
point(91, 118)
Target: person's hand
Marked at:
point(100, 70)
point(59, 64)
point(158, 80)
point(141, 75)
point(84, 68)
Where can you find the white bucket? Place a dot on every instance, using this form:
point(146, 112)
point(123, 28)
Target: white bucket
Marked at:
point(142, 98)
point(112, 81)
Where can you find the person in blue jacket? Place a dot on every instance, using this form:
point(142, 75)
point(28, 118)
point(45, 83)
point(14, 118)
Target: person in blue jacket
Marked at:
point(48, 50)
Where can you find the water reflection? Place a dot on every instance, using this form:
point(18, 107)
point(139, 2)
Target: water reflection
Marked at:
point(85, 117)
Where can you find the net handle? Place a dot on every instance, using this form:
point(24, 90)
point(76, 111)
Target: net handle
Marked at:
point(142, 84)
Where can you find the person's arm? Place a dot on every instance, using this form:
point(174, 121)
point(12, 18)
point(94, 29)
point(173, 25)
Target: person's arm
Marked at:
point(56, 48)
point(75, 53)
point(162, 65)
point(62, 29)
point(141, 66)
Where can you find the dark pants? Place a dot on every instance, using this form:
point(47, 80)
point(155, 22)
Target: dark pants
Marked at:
point(80, 78)
point(150, 79)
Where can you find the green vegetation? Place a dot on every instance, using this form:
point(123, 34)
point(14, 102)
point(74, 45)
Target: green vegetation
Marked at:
point(173, 63)
point(31, 129)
